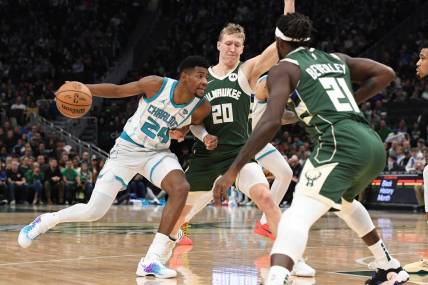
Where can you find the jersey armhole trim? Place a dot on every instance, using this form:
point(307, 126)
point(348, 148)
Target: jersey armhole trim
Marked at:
point(336, 56)
point(243, 82)
point(148, 100)
point(291, 61)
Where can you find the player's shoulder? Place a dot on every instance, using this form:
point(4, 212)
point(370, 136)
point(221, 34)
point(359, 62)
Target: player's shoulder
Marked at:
point(151, 80)
point(151, 84)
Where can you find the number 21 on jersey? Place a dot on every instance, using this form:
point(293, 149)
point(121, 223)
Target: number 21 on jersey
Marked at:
point(337, 90)
point(222, 113)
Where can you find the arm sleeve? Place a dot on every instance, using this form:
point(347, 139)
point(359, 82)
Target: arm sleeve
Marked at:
point(199, 131)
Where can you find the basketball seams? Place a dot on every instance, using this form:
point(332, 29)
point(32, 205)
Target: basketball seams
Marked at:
point(74, 105)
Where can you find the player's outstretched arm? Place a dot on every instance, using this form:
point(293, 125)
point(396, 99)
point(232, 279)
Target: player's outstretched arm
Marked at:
point(148, 85)
point(371, 75)
point(256, 66)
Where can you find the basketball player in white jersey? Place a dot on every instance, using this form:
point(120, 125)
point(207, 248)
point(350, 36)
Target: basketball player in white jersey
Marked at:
point(269, 157)
point(143, 147)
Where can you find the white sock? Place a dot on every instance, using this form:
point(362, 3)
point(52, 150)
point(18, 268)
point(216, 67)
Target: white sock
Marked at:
point(382, 256)
point(277, 275)
point(173, 237)
point(263, 219)
point(157, 247)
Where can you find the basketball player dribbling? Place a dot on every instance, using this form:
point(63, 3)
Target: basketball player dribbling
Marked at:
point(143, 147)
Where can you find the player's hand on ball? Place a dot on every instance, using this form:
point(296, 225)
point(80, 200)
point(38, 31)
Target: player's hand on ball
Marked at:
point(210, 142)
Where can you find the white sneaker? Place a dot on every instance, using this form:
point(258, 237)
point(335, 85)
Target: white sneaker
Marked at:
point(154, 268)
point(39, 226)
point(301, 269)
point(387, 273)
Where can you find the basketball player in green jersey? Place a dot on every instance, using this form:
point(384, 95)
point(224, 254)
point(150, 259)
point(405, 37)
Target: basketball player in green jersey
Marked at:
point(421, 267)
point(348, 153)
point(229, 90)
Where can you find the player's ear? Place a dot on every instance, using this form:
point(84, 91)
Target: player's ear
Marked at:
point(218, 45)
point(184, 76)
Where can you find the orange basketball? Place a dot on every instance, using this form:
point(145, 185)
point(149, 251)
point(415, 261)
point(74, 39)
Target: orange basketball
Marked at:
point(73, 99)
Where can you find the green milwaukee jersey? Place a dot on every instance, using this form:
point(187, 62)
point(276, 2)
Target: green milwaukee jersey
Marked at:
point(324, 93)
point(230, 105)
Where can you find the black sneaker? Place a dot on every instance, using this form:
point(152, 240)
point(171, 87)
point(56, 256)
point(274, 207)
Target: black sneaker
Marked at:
point(382, 275)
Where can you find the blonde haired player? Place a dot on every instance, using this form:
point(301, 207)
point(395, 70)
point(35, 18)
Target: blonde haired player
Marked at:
point(229, 91)
point(143, 147)
point(421, 267)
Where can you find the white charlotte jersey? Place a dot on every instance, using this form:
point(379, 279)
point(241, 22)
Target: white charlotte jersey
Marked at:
point(258, 107)
point(149, 126)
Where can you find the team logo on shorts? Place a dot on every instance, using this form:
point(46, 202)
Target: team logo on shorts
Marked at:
point(233, 77)
point(312, 175)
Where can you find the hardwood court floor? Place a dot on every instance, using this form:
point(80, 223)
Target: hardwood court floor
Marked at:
point(225, 250)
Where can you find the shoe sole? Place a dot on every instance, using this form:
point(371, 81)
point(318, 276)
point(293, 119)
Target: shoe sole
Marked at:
point(160, 276)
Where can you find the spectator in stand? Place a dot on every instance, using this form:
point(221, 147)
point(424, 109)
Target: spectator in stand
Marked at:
point(54, 185)
point(17, 184)
point(26, 164)
point(383, 130)
point(10, 140)
point(35, 178)
point(71, 182)
point(95, 167)
point(17, 110)
point(41, 160)
point(411, 162)
point(3, 184)
point(86, 182)
point(392, 164)
point(85, 158)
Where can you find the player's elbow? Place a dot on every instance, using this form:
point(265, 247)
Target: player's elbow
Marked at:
point(388, 73)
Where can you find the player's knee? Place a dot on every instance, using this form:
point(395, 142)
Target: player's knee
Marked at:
point(263, 198)
point(180, 190)
point(287, 171)
point(356, 217)
point(92, 213)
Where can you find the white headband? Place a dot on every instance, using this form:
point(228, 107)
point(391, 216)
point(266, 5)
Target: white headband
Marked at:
point(283, 37)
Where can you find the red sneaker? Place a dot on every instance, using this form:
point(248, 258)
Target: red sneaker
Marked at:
point(185, 239)
point(263, 230)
